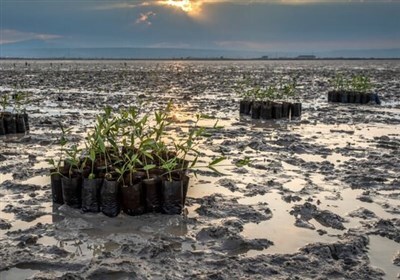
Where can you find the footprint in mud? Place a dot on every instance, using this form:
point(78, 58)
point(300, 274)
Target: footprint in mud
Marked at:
point(26, 213)
point(362, 213)
point(219, 206)
point(226, 238)
point(304, 213)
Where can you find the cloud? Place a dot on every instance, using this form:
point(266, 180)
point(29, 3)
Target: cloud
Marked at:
point(8, 36)
point(186, 3)
point(123, 5)
point(144, 18)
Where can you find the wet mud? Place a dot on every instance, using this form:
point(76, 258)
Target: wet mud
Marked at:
point(320, 198)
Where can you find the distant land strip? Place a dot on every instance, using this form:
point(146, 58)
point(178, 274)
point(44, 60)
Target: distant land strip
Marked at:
point(201, 59)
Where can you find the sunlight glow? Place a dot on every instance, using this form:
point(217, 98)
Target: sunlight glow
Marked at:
point(188, 6)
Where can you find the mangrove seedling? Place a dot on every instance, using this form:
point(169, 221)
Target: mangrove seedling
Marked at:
point(4, 102)
point(18, 101)
point(62, 141)
point(73, 160)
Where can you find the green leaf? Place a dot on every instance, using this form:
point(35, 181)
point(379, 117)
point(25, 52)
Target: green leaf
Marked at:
point(216, 123)
point(149, 166)
point(216, 161)
point(139, 161)
point(148, 142)
point(63, 141)
point(101, 144)
point(194, 161)
point(148, 155)
point(215, 170)
point(92, 155)
point(112, 142)
point(197, 152)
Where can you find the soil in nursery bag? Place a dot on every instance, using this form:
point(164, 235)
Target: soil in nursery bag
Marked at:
point(20, 121)
point(246, 106)
point(91, 194)
point(249, 107)
point(266, 111)
point(26, 119)
point(10, 124)
point(174, 195)
point(133, 197)
point(56, 187)
point(296, 110)
point(256, 110)
point(357, 97)
point(364, 98)
point(276, 111)
point(344, 97)
point(333, 96)
point(352, 96)
point(2, 128)
point(374, 97)
point(285, 109)
point(336, 96)
point(242, 106)
point(72, 191)
point(110, 205)
point(152, 188)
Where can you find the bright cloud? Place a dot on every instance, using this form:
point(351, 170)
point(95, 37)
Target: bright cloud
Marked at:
point(8, 36)
point(185, 5)
point(194, 7)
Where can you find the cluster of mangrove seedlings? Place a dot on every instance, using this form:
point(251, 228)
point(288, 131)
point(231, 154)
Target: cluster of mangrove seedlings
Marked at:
point(273, 102)
point(127, 162)
point(354, 90)
point(13, 118)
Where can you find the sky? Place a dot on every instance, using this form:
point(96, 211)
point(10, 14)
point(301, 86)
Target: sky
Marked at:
point(254, 25)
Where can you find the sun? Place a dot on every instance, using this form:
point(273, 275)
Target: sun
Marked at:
point(187, 6)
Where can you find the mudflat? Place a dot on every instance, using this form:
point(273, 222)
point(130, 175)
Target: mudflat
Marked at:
point(320, 198)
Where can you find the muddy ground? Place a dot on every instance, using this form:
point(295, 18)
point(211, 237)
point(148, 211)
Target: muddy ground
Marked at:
point(320, 199)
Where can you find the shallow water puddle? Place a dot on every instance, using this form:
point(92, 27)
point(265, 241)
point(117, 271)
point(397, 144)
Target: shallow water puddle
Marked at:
point(21, 225)
point(381, 253)
point(280, 228)
point(290, 168)
point(16, 273)
point(79, 249)
point(41, 164)
point(348, 202)
point(42, 180)
point(344, 135)
point(295, 185)
point(5, 177)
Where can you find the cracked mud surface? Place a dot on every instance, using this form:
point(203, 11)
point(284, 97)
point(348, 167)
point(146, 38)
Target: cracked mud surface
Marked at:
point(320, 199)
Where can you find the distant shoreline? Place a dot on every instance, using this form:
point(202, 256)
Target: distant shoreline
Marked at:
point(196, 59)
